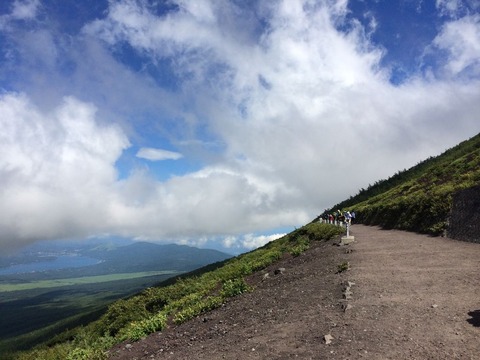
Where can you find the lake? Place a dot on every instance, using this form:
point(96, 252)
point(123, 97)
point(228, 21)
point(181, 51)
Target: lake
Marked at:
point(61, 262)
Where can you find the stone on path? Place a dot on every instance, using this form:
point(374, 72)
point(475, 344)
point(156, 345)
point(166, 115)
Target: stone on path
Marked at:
point(328, 339)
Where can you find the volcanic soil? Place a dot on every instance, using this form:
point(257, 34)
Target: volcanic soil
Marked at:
point(404, 296)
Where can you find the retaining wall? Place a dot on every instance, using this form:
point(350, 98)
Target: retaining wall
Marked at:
point(464, 222)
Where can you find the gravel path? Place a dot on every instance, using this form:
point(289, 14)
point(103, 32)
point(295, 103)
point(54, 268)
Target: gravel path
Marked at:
point(417, 297)
point(413, 297)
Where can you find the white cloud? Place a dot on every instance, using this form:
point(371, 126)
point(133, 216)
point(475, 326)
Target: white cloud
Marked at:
point(58, 179)
point(289, 119)
point(26, 9)
point(55, 169)
point(326, 105)
point(158, 154)
point(449, 7)
point(461, 40)
point(20, 10)
point(250, 241)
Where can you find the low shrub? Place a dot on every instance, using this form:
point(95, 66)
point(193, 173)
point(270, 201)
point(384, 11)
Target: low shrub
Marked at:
point(207, 304)
point(343, 267)
point(140, 329)
point(234, 287)
point(120, 314)
point(299, 249)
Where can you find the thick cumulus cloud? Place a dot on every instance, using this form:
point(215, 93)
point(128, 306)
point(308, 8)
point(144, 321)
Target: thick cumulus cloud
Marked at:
point(58, 180)
point(303, 101)
point(293, 97)
point(56, 170)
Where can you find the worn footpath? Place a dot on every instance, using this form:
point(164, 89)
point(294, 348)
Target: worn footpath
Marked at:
point(405, 296)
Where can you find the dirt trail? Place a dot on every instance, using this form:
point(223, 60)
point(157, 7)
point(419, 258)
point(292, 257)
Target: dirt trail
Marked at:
point(417, 297)
point(414, 297)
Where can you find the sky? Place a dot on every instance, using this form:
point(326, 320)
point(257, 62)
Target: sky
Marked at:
point(220, 124)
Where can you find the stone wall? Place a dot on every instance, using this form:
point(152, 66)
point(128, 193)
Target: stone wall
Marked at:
point(464, 222)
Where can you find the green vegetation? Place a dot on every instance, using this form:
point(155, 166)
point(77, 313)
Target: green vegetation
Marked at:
point(38, 305)
point(45, 284)
point(343, 267)
point(32, 316)
point(177, 301)
point(419, 199)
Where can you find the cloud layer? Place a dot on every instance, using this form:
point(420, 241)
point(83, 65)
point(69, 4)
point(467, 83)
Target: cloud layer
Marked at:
point(284, 107)
point(57, 170)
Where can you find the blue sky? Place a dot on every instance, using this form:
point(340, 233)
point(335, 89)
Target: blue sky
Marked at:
point(220, 124)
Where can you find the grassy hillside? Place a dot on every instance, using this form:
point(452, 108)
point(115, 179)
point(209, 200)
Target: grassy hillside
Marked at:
point(33, 315)
point(43, 300)
point(419, 199)
point(176, 301)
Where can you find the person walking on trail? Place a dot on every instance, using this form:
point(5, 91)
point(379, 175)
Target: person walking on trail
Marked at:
point(352, 216)
point(340, 216)
point(348, 217)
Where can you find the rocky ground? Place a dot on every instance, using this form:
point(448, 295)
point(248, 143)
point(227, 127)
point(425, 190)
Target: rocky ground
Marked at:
point(405, 296)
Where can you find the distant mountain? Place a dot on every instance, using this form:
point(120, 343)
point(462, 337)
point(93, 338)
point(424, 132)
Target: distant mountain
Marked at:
point(144, 256)
point(107, 257)
point(43, 251)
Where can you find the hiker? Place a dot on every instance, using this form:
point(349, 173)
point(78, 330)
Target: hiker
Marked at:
point(352, 216)
point(348, 217)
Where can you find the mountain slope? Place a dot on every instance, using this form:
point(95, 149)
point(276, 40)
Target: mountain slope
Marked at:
point(144, 256)
point(48, 305)
point(419, 199)
point(176, 300)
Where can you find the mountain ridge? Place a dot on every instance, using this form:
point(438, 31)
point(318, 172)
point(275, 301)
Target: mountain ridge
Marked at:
point(419, 199)
point(125, 257)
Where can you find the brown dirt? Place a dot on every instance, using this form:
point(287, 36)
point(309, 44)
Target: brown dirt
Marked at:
point(415, 297)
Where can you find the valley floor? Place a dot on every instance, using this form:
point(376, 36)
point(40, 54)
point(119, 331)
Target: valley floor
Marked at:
point(413, 297)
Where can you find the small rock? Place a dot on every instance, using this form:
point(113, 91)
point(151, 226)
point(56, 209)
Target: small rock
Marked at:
point(328, 338)
point(279, 271)
point(434, 306)
point(347, 295)
point(265, 276)
point(128, 346)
